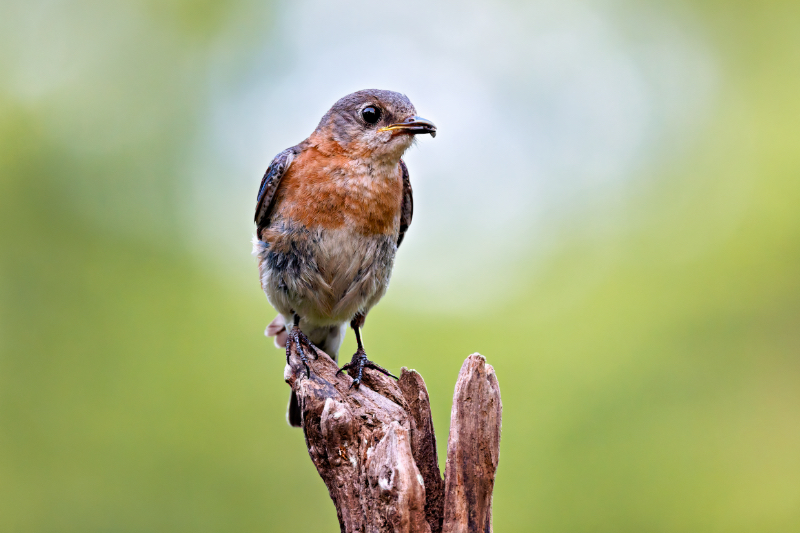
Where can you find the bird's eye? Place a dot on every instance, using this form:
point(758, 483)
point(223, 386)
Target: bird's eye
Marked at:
point(371, 114)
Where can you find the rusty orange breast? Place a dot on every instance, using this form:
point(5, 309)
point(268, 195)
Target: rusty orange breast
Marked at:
point(324, 187)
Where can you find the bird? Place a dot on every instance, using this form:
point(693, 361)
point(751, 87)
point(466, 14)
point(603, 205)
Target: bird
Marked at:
point(330, 215)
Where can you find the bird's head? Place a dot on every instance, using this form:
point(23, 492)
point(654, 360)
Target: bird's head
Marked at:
point(374, 124)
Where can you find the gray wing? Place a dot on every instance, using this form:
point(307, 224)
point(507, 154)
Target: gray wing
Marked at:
point(407, 209)
point(269, 184)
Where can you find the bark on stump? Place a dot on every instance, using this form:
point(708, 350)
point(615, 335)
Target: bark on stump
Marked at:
point(375, 447)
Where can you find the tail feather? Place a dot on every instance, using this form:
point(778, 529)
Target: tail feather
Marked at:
point(277, 329)
point(293, 413)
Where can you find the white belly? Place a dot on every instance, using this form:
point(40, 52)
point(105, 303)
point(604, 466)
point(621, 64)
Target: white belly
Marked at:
point(325, 276)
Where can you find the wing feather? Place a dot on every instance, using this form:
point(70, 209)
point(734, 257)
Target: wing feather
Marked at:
point(269, 185)
point(407, 209)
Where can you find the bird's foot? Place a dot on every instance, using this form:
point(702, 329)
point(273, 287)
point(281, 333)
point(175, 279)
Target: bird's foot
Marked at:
point(299, 339)
point(357, 365)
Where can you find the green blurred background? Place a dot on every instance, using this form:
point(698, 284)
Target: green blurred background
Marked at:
point(647, 354)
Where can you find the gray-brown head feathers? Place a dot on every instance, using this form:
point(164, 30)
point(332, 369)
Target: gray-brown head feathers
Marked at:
point(345, 123)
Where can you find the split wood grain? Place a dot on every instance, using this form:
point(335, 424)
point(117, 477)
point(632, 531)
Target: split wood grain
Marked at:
point(375, 447)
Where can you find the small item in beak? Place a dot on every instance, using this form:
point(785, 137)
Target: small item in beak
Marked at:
point(412, 125)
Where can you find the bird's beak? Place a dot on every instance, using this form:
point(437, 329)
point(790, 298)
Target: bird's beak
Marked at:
point(412, 125)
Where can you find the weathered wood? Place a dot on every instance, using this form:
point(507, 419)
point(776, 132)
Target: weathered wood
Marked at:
point(359, 442)
point(473, 448)
point(375, 448)
point(424, 445)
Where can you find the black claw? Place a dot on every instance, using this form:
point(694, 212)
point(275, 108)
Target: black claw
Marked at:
point(358, 364)
point(299, 338)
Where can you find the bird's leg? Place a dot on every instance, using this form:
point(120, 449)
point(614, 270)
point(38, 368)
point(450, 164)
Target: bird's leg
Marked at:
point(299, 338)
point(359, 361)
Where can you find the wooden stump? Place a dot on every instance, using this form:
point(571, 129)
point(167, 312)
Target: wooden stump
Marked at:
point(375, 447)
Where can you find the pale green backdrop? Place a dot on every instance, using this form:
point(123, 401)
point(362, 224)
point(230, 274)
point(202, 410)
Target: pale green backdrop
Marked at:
point(650, 369)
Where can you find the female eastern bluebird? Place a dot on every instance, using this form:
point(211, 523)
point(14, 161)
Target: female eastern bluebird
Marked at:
point(331, 213)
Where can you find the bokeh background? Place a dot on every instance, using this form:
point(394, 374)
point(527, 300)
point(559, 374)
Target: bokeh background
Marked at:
point(611, 214)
